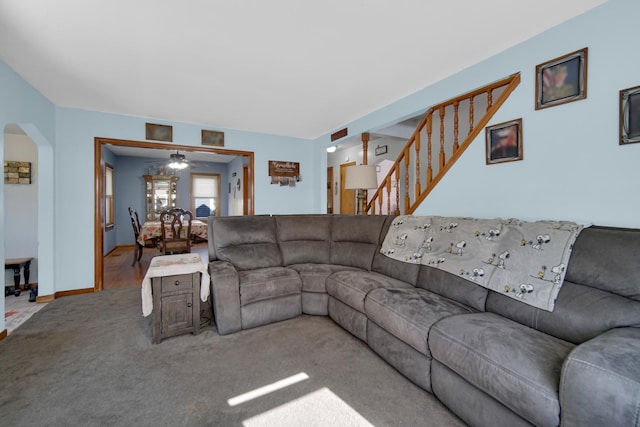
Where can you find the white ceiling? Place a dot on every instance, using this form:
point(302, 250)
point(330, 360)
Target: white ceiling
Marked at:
point(284, 67)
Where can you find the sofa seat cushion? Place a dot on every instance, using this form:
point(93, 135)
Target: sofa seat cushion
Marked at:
point(314, 276)
point(516, 365)
point(408, 314)
point(266, 283)
point(352, 287)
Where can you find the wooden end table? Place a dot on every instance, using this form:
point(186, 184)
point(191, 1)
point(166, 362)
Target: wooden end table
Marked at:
point(177, 306)
point(16, 264)
point(174, 282)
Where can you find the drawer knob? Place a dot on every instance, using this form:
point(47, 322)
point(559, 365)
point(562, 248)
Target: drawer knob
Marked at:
point(189, 304)
point(177, 283)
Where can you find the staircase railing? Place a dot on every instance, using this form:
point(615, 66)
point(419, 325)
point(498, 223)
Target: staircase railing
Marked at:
point(405, 181)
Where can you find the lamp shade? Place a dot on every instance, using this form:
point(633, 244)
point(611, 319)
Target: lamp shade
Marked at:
point(361, 177)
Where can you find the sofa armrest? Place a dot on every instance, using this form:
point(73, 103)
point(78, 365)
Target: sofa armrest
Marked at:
point(600, 383)
point(225, 289)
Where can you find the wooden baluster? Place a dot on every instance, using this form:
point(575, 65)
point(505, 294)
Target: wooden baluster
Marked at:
point(489, 99)
point(429, 148)
point(407, 192)
point(365, 161)
point(379, 194)
point(417, 143)
point(388, 196)
point(455, 126)
point(397, 190)
point(365, 147)
point(442, 155)
point(471, 114)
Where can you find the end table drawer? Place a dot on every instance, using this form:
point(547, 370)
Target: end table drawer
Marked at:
point(177, 283)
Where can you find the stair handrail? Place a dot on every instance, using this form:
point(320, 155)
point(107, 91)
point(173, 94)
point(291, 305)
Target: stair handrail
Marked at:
point(510, 83)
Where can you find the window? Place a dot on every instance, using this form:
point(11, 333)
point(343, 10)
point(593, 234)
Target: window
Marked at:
point(205, 191)
point(108, 196)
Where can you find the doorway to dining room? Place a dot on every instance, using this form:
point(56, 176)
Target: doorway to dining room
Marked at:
point(135, 166)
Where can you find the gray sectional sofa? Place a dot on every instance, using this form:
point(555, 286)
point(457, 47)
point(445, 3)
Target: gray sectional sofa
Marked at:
point(490, 359)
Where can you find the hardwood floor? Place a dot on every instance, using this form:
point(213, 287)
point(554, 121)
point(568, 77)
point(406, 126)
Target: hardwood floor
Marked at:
point(118, 272)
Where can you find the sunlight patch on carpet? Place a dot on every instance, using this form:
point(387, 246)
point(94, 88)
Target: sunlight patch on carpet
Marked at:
point(253, 394)
point(319, 408)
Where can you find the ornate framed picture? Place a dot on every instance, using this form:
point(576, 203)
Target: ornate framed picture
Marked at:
point(630, 115)
point(504, 142)
point(562, 80)
point(159, 132)
point(213, 137)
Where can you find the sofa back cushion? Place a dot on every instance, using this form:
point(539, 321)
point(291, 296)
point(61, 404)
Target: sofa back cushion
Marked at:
point(451, 286)
point(355, 239)
point(304, 238)
point(601, 290)
point(391, 267)
point(606, 258)
point(247, 242)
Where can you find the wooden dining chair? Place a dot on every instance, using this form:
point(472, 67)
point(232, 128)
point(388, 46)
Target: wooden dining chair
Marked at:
point(176, 231)
point(135, 224)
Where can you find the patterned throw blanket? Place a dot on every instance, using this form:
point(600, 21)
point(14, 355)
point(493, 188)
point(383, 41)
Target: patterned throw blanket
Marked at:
point(524, 260)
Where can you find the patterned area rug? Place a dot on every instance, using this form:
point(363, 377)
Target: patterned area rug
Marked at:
point(18, 310)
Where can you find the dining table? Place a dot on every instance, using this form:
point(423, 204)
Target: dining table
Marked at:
point(151, 230)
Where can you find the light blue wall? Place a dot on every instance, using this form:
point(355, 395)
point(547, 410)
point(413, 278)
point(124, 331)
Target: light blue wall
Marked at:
point(129, 193)
point(573, 167)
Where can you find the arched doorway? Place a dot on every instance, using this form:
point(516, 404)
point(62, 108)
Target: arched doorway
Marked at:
point(43, 223)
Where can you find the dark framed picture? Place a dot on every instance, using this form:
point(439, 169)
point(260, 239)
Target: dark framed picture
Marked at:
point(630, 115)
point(380, 150)
point(562, 80)
point(159, 132)
point(504, 142)
point(213, 137)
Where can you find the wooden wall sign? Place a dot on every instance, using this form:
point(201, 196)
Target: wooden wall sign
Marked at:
point(284, 173)
point(280, 168)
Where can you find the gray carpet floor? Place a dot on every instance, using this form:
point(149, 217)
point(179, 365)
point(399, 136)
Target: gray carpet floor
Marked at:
point(87, 360)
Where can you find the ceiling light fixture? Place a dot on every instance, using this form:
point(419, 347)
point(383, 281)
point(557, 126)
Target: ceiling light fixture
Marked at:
point(332, 148)
point(177, 161)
